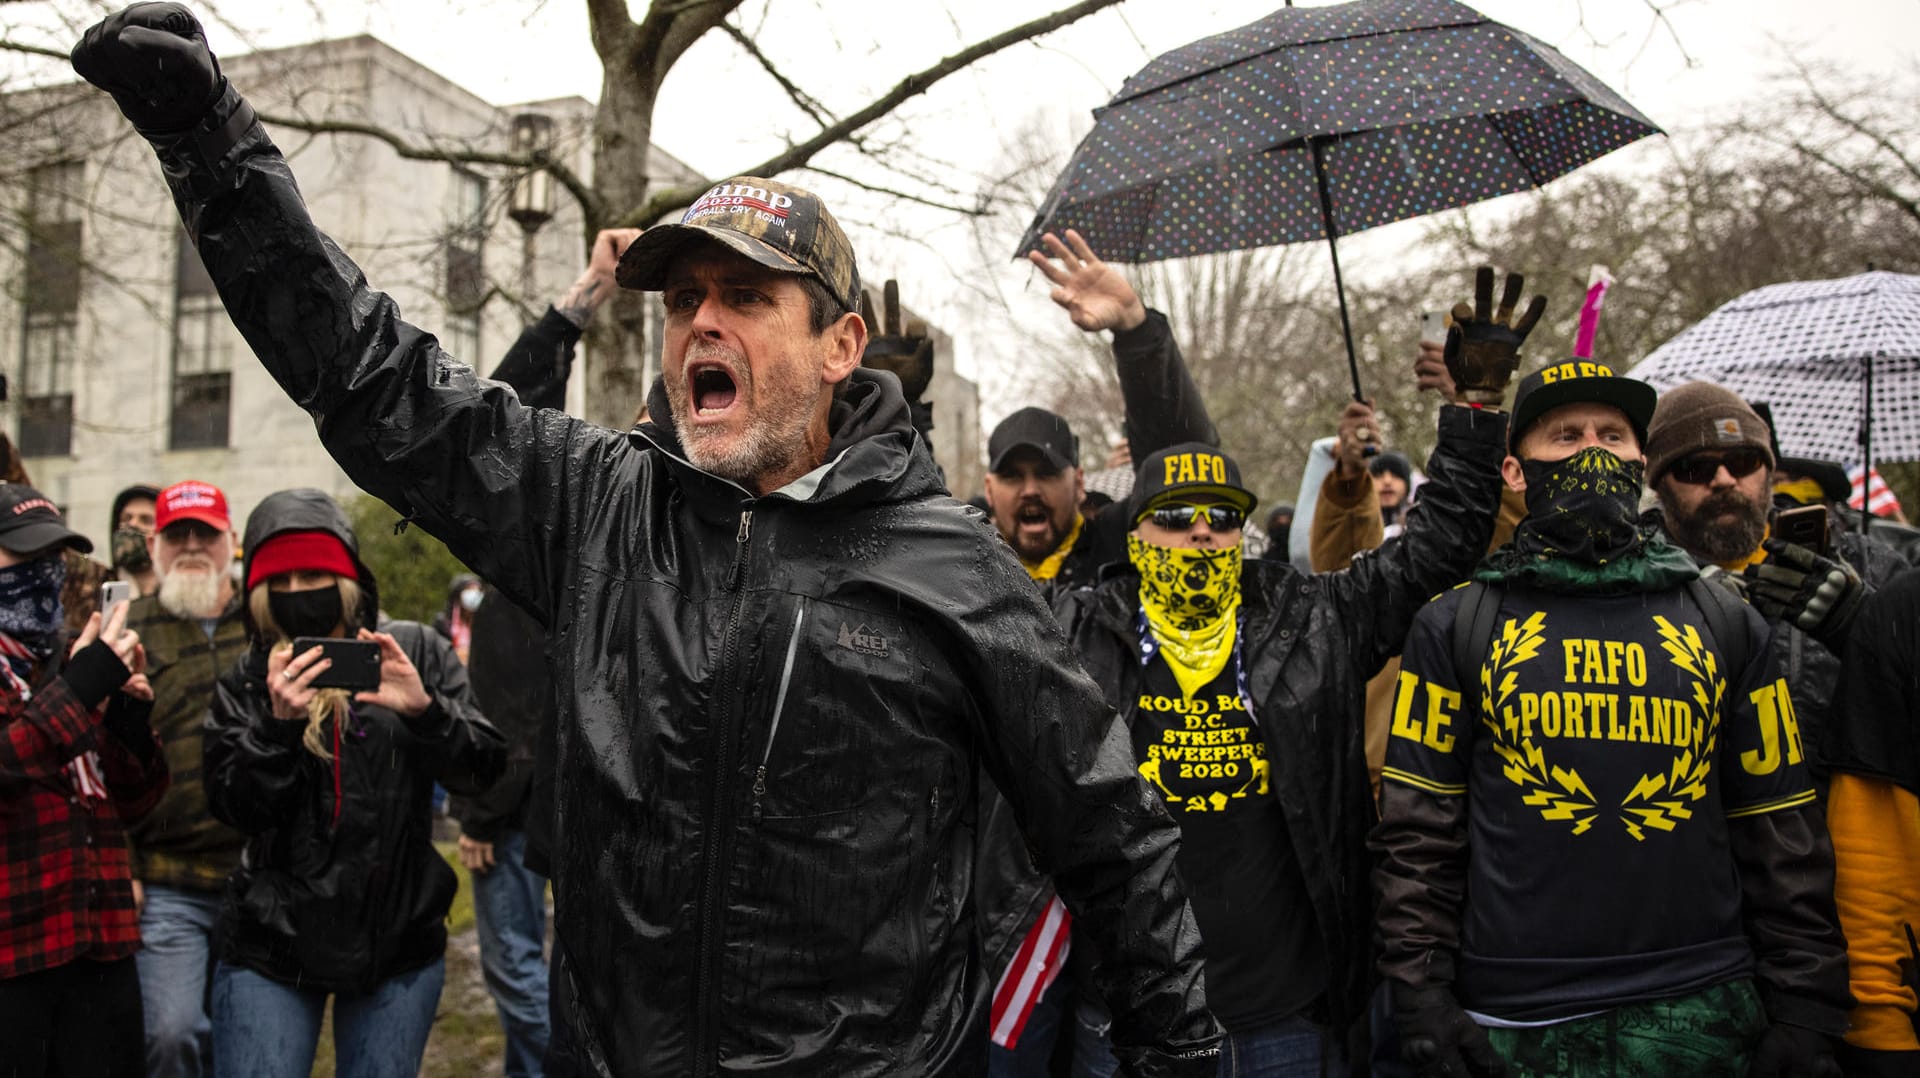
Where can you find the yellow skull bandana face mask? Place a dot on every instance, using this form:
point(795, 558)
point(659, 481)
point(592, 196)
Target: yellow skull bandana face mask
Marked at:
point(1191, 599)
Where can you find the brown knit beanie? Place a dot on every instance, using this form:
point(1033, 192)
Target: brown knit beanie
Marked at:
point(1699, 416)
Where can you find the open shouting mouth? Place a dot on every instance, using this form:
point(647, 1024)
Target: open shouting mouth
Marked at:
point(712, 389)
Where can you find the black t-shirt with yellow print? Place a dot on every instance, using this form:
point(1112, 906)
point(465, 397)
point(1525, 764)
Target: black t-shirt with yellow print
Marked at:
point(1207, 757)
point(1603, 753)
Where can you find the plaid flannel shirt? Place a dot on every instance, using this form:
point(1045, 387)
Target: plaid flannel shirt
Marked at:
point(66, 891)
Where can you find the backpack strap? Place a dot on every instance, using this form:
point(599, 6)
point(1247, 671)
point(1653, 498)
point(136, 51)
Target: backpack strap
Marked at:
point(1726, 621)
point(1473, 626)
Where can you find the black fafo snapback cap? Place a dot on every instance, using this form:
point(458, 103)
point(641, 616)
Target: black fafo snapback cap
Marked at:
point(1578, 381)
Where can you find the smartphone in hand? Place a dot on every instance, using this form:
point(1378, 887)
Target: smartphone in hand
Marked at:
point(1807, 527)
point(113, 593)
point(356, 663)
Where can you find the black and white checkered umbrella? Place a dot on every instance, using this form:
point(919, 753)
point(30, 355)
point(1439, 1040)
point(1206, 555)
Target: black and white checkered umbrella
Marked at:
point(1810, 349)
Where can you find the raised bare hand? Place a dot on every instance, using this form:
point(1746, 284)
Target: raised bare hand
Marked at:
point(1095, 295)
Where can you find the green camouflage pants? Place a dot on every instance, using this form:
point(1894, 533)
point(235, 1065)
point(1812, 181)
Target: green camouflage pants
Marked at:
point(1704, 1035)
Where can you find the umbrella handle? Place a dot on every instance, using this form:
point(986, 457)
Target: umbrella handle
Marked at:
point(1333, 249)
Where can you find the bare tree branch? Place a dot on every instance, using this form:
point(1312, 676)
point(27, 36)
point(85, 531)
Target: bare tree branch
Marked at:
point(805, 101)
point(799, 155)
point(979, 209)
point(565, 176)
point(35, 50)
point(670, 28)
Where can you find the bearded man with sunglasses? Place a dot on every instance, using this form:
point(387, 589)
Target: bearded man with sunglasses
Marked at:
point(1242, 686)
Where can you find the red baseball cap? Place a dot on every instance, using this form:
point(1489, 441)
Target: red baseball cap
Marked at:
point(192, 500)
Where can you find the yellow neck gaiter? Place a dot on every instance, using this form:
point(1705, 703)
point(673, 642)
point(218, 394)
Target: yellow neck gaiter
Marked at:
point(1754, 557)
point(1192, 601)
point(1049, 567)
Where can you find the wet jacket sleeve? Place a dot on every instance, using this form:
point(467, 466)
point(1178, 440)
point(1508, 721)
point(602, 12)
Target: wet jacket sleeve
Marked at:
point(1163, 405)
point(540, 361)
point(1779, 839)
point(1446, 534)
point(1420, 841)
point(1346, 521)
point(1065, 766)
point(408, 423)
point(453, 742)
point(250, 760)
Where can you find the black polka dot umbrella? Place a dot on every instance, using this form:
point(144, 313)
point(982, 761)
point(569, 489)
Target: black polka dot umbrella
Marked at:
point(1313, 123)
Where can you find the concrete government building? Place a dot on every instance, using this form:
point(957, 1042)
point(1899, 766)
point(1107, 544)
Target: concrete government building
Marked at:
point(121, 363)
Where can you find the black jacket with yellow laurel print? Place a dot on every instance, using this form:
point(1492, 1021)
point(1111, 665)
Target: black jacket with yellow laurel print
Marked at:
point(772, 708)
point(1308, 644)
point(1608, 816)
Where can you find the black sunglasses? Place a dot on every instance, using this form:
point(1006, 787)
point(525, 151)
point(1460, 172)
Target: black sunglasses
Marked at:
point(1220, 518)
point(1700, 469)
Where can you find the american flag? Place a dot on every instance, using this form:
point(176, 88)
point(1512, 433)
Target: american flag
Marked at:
point(1041, 957)
point(1881, 503)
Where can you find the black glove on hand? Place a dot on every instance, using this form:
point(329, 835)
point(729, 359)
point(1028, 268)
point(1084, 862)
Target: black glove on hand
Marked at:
point(1818, 595)
point(907, 350)
point(1483, 345)
point(154, 60)
point(1439, 1039)
point(1793, 1052)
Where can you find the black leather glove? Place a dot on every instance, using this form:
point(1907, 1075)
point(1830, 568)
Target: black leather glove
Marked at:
point(1437, 1037)
point(906, 350)
point(154, 60)
point(1483, 345)
point(1819, 595)
point(1152, 1063)
point(1793, 1052)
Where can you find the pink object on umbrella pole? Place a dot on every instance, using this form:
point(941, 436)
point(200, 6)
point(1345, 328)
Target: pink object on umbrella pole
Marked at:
point(1597, 283)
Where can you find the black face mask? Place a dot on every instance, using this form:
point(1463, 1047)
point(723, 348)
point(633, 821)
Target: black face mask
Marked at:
point(1585, 508)
point(306, 613)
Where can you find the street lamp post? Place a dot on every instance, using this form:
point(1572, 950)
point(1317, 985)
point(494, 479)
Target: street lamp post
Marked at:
point(530, 203)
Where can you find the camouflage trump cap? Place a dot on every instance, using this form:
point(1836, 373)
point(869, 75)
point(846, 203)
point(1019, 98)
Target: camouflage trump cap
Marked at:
point(777, 225)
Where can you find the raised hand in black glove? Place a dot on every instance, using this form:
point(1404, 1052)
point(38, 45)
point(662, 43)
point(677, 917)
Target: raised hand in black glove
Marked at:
point(154, 60)
point(1817, 594)
point(906, 350)
point(1439, 1039)
point(1483, 345)
point(1793, 1052)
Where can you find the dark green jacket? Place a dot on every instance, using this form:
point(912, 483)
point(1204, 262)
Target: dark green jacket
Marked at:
point(180, 844)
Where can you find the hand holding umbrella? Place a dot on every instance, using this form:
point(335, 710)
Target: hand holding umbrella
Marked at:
point(1483, 347)
point(1096, 296)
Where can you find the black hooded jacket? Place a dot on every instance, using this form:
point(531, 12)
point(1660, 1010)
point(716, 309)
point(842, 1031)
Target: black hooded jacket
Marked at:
point(339, 893)
point(1309, 644)
point(773, 706)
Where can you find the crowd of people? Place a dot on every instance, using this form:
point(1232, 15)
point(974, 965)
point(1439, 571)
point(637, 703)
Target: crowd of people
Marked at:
point(1585, 748)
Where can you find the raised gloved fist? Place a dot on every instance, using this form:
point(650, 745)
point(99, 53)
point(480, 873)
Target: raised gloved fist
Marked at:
point(1793, 1052)
point(906, 350)
point(1439, 1039)
point(1483, 345)
point(154, 60)
point(1818, 595)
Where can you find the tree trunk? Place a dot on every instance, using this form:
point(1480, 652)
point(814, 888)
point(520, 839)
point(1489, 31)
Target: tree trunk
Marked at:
point(616, 369)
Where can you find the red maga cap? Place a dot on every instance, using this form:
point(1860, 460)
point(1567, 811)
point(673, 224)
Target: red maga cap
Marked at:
point(192, 500)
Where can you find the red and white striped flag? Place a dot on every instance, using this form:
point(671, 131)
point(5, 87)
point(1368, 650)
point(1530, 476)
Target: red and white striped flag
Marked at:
point(1042, 955)
point(1881, 503)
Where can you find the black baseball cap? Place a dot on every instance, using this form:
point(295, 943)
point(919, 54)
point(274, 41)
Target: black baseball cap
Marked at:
point(1034, 428)
point(1580, 381)
point(776, 225)
point(1188, 470)
point(30, 523)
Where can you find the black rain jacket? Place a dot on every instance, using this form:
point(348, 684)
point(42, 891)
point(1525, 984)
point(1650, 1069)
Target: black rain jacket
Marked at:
point(339, 894)
point(1309, 644)
point(774, 707)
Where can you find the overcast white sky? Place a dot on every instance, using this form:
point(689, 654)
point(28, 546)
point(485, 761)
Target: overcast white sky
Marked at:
point(721, 114)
